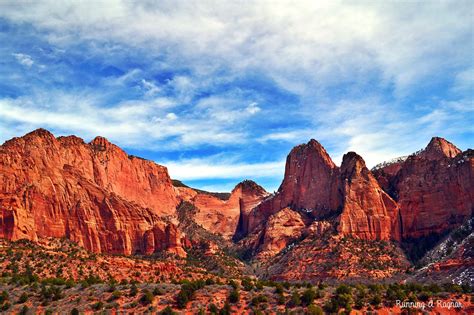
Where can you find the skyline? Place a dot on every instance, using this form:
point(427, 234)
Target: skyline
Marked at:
point(227, 96)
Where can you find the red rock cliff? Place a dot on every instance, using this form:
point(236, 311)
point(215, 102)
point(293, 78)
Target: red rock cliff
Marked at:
point(368, 212)
point(310, 183)
point(434, 189)
point(93, 194)
point(314, 184)
point(222, 216)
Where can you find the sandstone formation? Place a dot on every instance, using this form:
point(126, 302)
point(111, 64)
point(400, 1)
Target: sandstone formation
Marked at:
point(368, 212)
point(219, 215)
point(309, 184)
point(109, 202)
point(429, 192)
point(94, 194)
point(434, 188)
point(314, 184)
point(281, 229)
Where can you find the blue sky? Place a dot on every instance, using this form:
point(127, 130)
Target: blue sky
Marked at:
point(220, 92)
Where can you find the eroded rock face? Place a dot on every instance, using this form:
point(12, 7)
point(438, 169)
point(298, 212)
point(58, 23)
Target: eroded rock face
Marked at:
point(281, 229)
point(310, 180)
point(222, 216)
point(314, 184)
point(429, 192)
point(310, 184)
point(434, 189)
point(93, 194)
point(368, 212)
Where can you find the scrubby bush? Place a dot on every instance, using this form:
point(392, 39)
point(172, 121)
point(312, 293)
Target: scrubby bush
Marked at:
point(281, 299)
point(157, 291)
point(24, 310)
point(4, 297)
point(213, 308)
point(294, 300)
point(314, 310)
point(167, 311)
point(234, 296)
point(259, 299)
point(23, 298)
point(308, 297)
point(147, 297)
point(247, 284)
point(279, 288)
point(98, 306)
point(225, 310)
point(133, 290)
point(187, 291)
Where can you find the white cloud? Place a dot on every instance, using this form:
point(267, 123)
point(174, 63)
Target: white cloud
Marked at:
point(219, 168)
point(171, 116)
point(304, 45)
point(24, 59)
point(253, 108)
point(128, 124)
point(293, 136)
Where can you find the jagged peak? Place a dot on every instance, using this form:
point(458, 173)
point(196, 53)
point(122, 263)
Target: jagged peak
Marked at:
point(352, 163)
point(249, 185)
point(312, 148)
point(71, 140)
point(40, 132)
point(100, 143)
point(439, 148)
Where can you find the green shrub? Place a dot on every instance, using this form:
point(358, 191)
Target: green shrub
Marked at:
point(210, 281)
point(295, 299)
point(314, 310)
point(4, 297)
point(147, 297)
point(308, 297)
point(23, 298)
point(376, 300)
point(343, 289)
point(187, 291)
point(279, 288)
point(74, 311)
point(116, 295)
point(225, 310)
point(247, 284)
point(259, 299)
point(167, 311)
point(234, 296)
point(98, 306)
point(133, 290)
point(213, 308)
point(6, 306)
point(234, 284)
point(24, 310)
point(281, 299)
point(157, 291)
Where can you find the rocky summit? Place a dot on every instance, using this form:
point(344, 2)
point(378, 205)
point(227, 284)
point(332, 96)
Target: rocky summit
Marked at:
point(325, 223)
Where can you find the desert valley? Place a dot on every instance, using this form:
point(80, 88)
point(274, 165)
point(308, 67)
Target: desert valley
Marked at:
point(87, 228)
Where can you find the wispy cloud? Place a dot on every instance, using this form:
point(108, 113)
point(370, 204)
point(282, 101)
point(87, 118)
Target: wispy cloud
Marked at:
point(219, 168)
point(24, 59)
point(187, 80)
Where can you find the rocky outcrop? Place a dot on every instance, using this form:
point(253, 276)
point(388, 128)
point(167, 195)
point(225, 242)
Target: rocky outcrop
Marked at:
point(310, 184)
point(368, 212)
point(433, 188)
point(221, 216)
point(94, 194)
point(314, 185)
point(429, 192)
point(281, 229)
